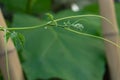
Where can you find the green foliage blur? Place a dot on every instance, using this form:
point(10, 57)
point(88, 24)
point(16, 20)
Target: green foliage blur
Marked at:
point(55, 52)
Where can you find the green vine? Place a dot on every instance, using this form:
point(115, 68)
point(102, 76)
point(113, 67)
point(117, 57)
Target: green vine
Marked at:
point(72, 27)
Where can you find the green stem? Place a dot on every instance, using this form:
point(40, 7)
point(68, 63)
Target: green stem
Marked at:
point(27, 28)
point(6, 54)
point(60, 19)
point(69, 17)
point(90, 35)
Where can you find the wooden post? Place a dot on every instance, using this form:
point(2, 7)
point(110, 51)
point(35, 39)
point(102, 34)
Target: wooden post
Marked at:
point(14, 63)
point(111, 32)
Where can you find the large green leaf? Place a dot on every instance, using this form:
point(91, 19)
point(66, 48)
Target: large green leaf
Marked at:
point(55, 52)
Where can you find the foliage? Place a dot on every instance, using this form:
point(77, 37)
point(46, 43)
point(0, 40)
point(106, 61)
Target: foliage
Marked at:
point(18, 39)
point(54, 51)
point(27, 6)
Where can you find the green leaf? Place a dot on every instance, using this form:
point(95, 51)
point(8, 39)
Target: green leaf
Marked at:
point(1, 28)
point(51, 18)
point(18, 40)
point(8, 35)
point(21, 39)
point(55, 52)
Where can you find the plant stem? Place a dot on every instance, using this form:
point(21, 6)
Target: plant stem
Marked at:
point(6, 54)
point(69, 17)
point(60, 19)
point(27, 28)
point(90, 35)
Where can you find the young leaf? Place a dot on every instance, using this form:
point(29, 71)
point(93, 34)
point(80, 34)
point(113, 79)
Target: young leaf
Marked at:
point(21, 38)
point(8, 36)
point(1, 28)
point(18, 40)
point(50, 16)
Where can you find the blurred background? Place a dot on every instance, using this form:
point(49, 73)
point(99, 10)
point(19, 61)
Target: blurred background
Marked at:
point(54, 53)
